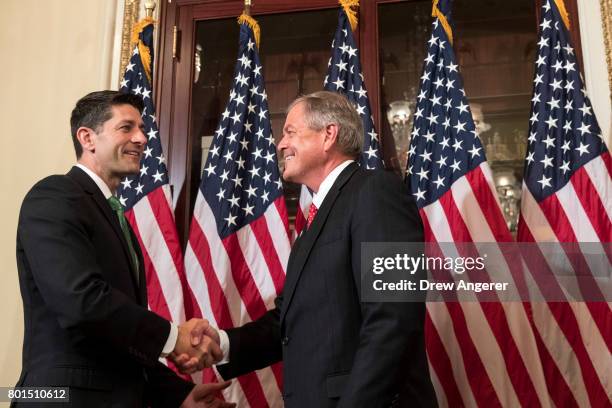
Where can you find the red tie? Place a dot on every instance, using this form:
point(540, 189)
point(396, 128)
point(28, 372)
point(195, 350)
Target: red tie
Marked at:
point(312, 211)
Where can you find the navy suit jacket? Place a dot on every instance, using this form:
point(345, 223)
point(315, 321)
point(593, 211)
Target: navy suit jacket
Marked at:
point(338, 351)
point(87, 326)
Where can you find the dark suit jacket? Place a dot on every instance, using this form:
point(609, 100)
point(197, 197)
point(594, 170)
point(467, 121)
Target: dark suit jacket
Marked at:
point(87, 326)
point(338, 351)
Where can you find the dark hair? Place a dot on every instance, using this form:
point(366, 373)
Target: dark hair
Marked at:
point(94, 109)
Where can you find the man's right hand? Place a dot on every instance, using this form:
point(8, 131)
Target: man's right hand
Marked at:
point(203, 336)
point(197, 346)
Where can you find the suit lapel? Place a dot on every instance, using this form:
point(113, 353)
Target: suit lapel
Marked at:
point(303, 246)
point(91, 188)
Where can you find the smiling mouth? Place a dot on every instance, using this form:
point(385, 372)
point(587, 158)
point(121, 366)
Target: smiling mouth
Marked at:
point(133, 154)
point(289, 157)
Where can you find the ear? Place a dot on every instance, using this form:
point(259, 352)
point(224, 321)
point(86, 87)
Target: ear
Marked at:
point(331, 136)
point(86, 137)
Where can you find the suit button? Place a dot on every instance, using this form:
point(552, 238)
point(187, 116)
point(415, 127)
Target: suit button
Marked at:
point(285, 340)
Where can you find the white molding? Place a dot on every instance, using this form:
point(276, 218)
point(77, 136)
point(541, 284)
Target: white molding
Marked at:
point(117, 37)
point(595, 66)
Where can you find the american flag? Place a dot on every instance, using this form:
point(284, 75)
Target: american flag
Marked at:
point(566, 198)
point(146, 196)
point(480, 353)
point(239, 244)
point(344, 76)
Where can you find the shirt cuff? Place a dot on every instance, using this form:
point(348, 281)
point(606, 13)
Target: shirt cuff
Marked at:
point(171, 342)
point(224, 346)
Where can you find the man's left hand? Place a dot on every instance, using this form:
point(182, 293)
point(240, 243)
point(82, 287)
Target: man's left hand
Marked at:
point(203, 396)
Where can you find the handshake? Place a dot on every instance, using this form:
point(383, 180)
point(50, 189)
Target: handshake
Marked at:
point(197, 346)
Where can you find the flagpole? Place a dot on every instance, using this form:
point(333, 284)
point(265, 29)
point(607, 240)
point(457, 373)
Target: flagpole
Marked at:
point(149, 7)
point(245, 18)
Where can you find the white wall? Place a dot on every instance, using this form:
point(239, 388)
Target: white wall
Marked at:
point(53, 52)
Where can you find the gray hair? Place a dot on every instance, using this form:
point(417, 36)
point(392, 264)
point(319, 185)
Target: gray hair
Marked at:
point(323, 108)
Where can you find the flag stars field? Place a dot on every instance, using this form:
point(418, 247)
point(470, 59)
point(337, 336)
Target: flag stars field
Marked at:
point(566, 131)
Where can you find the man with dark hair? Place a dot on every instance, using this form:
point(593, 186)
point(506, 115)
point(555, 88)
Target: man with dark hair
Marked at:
point(82, 279)
point(94, 109)
point(337, 350)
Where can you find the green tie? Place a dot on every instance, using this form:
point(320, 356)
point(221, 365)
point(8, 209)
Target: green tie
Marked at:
point(118, 209)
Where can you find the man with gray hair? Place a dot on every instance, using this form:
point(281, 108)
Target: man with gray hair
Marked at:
point(337, 350)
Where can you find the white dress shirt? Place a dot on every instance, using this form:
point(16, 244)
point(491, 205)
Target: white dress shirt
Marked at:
point(328, 182)
point(173, 335)
point(317, 200)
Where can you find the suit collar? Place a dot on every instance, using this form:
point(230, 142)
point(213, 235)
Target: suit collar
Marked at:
point(83, 179)
point(301, 249)
point(106, 192)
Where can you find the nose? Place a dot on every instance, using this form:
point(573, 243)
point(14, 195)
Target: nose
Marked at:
point(139, 137)
point(282, 145)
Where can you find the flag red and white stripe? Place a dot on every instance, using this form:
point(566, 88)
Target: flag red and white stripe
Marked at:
point(479, 353)
point(239, 244)
point(576, 337)
point(153, 223)
point(302, 211)
point(147, 200)
point(235, 280)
